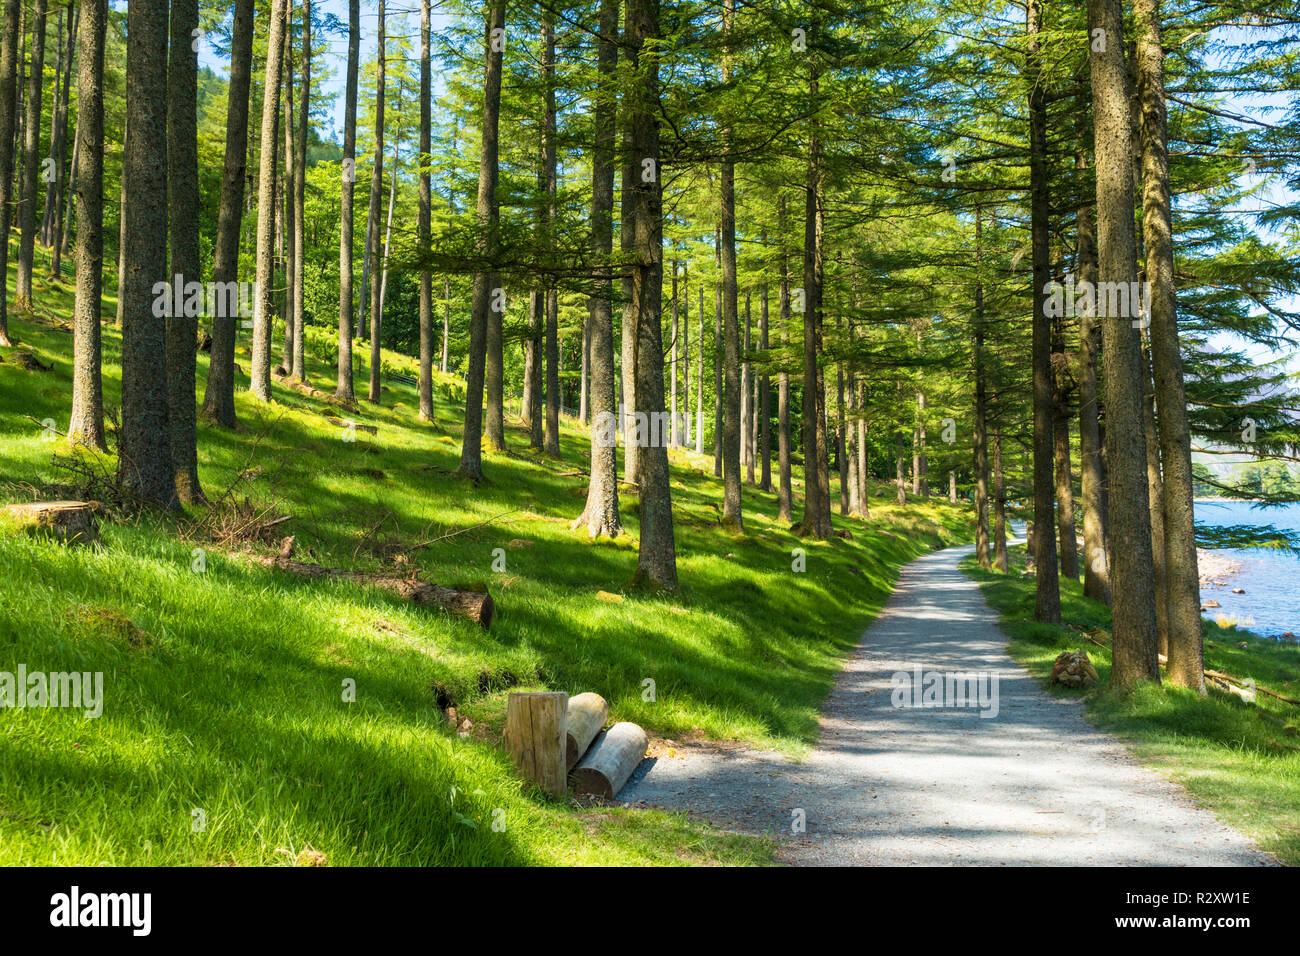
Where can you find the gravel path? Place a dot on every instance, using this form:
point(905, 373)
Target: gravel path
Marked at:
point(888, 785)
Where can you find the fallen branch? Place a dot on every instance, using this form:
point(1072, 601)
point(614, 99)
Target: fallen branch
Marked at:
point(451, 534)
point(475, 605)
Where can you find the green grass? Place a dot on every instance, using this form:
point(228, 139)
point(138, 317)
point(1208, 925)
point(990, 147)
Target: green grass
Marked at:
point(224, 687)
point(1242, 761)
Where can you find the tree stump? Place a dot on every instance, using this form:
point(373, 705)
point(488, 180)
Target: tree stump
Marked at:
point(69, 522)
point(584, 719)
point(535, 737)
point(611, 761)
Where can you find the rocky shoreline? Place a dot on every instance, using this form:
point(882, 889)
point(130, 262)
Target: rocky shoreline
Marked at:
point(1214, 567)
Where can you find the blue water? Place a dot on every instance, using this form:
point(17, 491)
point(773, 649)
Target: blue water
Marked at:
point(1271, 579)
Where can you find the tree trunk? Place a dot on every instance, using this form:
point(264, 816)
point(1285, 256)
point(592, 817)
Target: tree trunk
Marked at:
point(699, 372)
point(260, 384)
point(732, 519)
point(718, 389)
point(1133, 606)
point(765, 398)
point(675, 438)
point(657, 555)
point(1155, 495)
point(785, 495)
point(219, 391)
point(471, 455)
point(87, 421)
point(289, 189)
point(552, 437)
point(344, 389)
point(376, 198)
point(1061, 459)
point(144, 445)
point(423, 225)
point(1096, 564)
point(9, 84)
point(1186, 662)
point(999, 507)
point(601, 514)
point(183, 200)
point(31, 162)
point(300, 199)
point(1047, 603)
point(980, 431)
point(816, 521)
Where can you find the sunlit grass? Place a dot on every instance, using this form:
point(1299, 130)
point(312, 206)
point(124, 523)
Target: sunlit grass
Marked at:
point(225, 686)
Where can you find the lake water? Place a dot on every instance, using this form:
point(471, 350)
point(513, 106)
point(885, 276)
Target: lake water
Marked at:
point(1271, 579)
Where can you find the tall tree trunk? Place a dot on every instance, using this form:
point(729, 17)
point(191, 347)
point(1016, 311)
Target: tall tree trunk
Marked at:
point(471, 454)
point(300, 199)
point(999, 507)
point(290, 196)
point(657, 554)
point(144, 444)
point(1155, 495)
point(183, 200)
point(747, 401)
point(1133, 593)
point(344, 389)
point(1186, 664)
point(601, 514)
point(675, 438)
point(699, 372)
point(446, 323)
point(1061, 459)
point(732, 519)
point(817, 508)
point(31, 162)
point(1047, 603)
point(552, 444)
point(219, 391)
point(718, 388)
point(87, 421)
point(534, 367)
point(376, 198)
point(765, 397)
point(9, 83)
point(260, 385)
point(980, 435)
point(1096, 564)
point(685, 353)
point(423, 225)
point(785, 495)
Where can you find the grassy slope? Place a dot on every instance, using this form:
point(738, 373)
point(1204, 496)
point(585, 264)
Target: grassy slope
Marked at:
point(1240, 760)
point(223, 687)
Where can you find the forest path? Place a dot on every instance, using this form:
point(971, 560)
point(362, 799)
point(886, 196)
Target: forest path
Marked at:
point(1032, 783)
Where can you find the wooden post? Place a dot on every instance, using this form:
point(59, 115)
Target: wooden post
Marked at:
point(610, 761)
point(585, 718)
point(535, 738)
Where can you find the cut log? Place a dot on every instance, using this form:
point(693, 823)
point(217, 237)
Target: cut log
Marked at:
point(69, 522)
point(368, 429)
point(478, 606)
point(584, 719)
point(610, 762)
point(535, 737)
